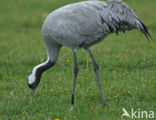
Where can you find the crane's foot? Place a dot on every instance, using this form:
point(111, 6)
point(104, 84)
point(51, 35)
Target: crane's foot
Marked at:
point(104, 103)
point(31, 95)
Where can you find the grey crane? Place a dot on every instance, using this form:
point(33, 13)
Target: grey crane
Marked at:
point(81, 25)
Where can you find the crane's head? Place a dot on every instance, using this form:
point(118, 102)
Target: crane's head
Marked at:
point(33, 81)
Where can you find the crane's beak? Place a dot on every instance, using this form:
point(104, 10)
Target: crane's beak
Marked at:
point(32, 91)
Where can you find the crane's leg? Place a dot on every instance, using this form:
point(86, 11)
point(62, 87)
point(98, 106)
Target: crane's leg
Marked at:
point(96, 70)
point(75, 70)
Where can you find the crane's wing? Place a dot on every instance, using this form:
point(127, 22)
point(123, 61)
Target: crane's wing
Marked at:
point(117, 16)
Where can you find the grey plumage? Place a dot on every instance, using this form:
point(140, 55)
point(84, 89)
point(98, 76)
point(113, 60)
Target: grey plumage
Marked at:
point(81, 25)
point(89, 22)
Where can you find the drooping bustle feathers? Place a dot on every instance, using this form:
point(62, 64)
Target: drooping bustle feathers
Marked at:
point(119, 17)
point(144, 30)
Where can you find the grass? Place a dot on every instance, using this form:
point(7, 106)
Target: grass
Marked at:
point(127, 68)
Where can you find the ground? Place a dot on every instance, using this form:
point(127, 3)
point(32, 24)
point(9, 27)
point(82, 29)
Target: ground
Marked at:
point(127, 68)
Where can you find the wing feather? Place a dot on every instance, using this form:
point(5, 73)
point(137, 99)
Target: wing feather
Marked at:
point(119, 17)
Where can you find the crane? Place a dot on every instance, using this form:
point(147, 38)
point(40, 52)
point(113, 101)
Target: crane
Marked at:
point(82, 25)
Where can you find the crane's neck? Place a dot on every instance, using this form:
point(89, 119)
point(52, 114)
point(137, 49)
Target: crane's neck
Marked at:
point(35, 76)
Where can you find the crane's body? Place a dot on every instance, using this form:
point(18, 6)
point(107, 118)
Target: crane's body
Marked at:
point(81, 25)
point(76, 25)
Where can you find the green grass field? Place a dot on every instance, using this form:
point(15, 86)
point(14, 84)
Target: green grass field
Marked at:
point(127, 67)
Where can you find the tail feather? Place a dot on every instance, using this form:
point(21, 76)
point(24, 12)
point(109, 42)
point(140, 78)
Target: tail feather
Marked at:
point(144, 30)
point(119, 17)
